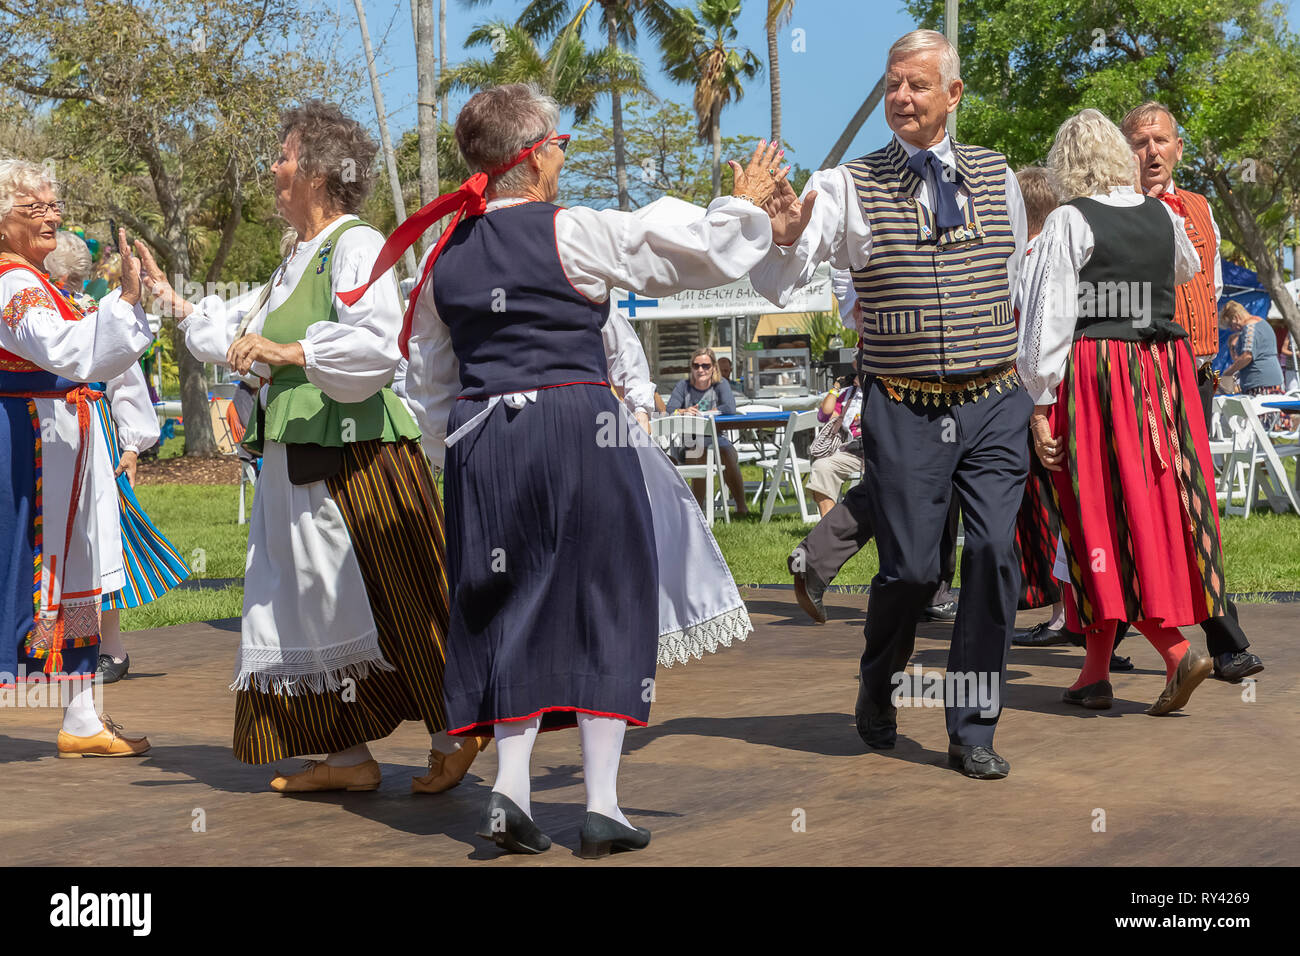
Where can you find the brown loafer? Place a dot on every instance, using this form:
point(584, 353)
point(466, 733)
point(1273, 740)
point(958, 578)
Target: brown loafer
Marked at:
point(318, 775)
point(109, 742)
point(448, 770)
point(1192, 669)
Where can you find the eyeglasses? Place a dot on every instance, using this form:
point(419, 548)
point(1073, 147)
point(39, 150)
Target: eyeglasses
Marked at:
point(702, 367)
point(562, 140)
point(38, 210)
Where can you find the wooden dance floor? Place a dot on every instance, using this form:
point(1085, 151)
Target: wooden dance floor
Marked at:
point(743, 746)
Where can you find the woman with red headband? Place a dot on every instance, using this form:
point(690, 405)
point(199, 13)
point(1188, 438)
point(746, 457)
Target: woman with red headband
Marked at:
point(345, 601)
point(60, 541)
point(567, 587)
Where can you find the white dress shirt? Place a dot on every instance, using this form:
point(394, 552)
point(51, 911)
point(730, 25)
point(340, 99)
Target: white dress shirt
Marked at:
point(838, 231)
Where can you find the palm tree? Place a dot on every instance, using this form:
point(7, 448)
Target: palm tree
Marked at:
point(778, 15)
point(696, 51)
point(566, 18)
point(576, 77)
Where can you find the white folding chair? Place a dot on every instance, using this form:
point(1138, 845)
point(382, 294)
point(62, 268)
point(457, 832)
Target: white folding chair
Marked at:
point(678, 431)
point(792, 468)
point(1254, 467)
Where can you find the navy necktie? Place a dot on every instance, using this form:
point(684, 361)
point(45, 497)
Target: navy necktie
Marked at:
point(944, 183)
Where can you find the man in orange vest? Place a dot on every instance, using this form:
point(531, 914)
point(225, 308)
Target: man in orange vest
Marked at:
point(1152, 132)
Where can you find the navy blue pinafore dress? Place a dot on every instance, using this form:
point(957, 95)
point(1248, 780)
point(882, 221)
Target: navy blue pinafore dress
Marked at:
point(551, 561)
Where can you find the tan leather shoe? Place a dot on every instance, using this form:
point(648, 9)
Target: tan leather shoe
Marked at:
point(448, 770)
point(109, 742)
point(1192, 669)
point(318, 775)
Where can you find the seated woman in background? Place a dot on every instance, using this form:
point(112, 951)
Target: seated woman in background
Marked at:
point(829, 472)
point(1255, 363)
point(706, 392)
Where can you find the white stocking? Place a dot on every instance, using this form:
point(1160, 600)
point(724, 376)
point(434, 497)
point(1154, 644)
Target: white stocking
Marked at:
point(515, 740)
point(1058, 616)
point(80, 719)
point(110, 635)
point(350, 757)
point(602, 746)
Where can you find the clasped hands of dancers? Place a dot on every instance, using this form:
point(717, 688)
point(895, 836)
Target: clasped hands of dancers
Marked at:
point(504, 616)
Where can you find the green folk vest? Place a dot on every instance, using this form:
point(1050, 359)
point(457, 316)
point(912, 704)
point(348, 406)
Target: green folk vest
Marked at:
point(935, 307)
point(298, 412)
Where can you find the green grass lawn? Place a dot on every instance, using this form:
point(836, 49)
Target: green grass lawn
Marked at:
point(1262, 553)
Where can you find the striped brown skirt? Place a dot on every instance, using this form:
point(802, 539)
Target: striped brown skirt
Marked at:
point(391, 507)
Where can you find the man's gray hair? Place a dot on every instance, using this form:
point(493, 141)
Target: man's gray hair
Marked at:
point(498, 123)
point(70, 259)
point(920, 41)
point(18, 177)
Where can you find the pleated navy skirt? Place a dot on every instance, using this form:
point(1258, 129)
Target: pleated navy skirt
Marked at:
point(551, 565)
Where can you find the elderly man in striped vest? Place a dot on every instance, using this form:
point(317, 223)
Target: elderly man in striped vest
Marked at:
point(1152, 132)
point(933, 232)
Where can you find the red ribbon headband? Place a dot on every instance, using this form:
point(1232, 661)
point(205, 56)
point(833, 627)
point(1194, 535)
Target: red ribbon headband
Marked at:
point(470, 199)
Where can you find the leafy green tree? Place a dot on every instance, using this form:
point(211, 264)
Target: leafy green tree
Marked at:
point(164, 117)
point(665, 158)
point(566, 19)
point(1228, 69)
point(698, 51)
point(576, 77)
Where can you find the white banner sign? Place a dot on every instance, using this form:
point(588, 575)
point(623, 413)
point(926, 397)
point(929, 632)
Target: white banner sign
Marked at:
point(737, 298)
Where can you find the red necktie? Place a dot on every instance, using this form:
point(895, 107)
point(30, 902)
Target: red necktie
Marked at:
point(1174, 202)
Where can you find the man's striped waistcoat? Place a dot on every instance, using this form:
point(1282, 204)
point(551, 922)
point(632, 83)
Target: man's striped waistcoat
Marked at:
point(935, 310)
point(1196, 308)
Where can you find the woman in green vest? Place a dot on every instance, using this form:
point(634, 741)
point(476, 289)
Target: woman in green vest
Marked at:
point(345, 594)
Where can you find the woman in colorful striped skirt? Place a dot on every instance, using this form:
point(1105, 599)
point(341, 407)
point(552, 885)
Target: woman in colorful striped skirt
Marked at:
point(128, 425)
point(345, 596)
point(60, 542)
point(560, 564)
point(1117, 419)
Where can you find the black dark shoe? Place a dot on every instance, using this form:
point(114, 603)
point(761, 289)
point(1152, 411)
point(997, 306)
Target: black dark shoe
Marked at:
point(109, 671)
point(1097, 696)
point(944, 613)
point(510, 828)
point(1118, 663)
point(1232, 667)
point(808, 591)
point(1041, 635)
point(878, 733)
point(602, 836)
point(978, 762)
point(1075, 638)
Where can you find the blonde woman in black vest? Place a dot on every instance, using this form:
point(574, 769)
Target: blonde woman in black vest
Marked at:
point(933, 232)
point(1117, 417)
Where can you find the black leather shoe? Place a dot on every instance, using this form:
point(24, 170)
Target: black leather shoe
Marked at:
point(1097, 696)
point(1118, 663)
point(110, 671)
point(602, 836)
point(1040, 635)
point(944, 613)
point(879, 733)
point(510, 828)
point(978, 762)
point(808, 591)
point(1233, 667)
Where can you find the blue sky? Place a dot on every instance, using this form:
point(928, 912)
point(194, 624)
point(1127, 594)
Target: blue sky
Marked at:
point(844, 41)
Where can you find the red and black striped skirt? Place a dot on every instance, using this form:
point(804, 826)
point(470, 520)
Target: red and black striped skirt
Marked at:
point(1139, 517)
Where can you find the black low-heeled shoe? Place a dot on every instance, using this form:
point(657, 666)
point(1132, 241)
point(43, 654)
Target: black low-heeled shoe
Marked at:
point(506, 825)
point(602, 836)
point(111, 671)
point(1098, 695)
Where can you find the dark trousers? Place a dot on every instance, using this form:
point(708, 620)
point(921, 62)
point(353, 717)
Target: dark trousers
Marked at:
point(916, 459)
point(846, 529)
